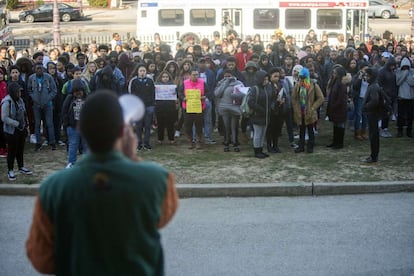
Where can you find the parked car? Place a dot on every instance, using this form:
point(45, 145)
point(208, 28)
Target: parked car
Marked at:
point(45, 13)
point(379, 8)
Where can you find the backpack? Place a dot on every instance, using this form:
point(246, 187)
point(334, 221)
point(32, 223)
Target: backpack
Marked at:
point(244, 106)
point(384, 105)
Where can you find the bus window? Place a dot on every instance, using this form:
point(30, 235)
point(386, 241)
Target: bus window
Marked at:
point(201, 17)
point(143, 14)
point(266, 18)
point(329, 19)
point(171, 17)
point(298, 19)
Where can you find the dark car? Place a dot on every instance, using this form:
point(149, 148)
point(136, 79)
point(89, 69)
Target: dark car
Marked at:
point(45, 13)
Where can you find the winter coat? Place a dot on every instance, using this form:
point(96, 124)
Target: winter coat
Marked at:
point(387, 78)
point(98, 81)
point(405, 80)
point(225, 96)
point(371, 100)
point(260, 101)
point(12, 116)
point(144, 88)
point(68, 114)
point(337, 108)
point(313, 102)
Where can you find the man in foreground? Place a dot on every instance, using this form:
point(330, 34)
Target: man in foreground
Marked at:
point(102, 216)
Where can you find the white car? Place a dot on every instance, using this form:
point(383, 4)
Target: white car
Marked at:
point(379, 8)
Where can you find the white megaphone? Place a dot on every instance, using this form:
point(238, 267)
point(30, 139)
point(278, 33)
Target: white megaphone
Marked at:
point(133, 108)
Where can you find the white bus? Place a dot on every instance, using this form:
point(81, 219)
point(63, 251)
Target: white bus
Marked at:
point(175, 19)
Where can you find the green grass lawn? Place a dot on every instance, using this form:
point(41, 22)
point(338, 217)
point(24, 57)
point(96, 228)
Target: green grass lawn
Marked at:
point(212, 165)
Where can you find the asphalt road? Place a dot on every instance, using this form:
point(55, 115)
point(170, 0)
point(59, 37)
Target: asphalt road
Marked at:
point(111, 20)
point(340, 235)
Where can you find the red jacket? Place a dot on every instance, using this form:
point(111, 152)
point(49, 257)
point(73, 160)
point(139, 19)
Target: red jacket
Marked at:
point(242, 59)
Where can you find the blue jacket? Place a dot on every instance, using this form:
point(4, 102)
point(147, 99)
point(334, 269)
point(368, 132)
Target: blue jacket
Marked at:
point(210, 81)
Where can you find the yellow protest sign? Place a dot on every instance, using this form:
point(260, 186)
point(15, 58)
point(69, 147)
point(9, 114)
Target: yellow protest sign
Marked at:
point(193, 99)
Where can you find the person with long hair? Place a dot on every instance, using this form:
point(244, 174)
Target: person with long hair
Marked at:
point(166, 111)
point(13, 115)
point(260, 102)
point(89, 71)
point(337, 105)
point(143, 86)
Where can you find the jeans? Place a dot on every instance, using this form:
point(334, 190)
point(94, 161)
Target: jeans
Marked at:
point(48, 115)
point(145, 125)
point(259, 135)
point(360, 120)
point(207, 119)
point(74, 140)
point(231, 124)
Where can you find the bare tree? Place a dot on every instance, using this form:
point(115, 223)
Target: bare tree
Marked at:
point(56, 25)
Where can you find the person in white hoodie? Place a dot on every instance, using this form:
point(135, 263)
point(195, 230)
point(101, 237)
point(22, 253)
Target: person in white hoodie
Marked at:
point(405, 101)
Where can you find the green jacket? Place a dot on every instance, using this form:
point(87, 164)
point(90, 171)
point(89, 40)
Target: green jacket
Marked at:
point(105, 212)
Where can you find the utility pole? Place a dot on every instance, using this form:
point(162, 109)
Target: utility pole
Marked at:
point(412, 18)
point(56, 25)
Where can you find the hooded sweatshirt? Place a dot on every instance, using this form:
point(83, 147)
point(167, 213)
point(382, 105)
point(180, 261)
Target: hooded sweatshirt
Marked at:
point(260, 100)
point(405, 80)
point(387, 79)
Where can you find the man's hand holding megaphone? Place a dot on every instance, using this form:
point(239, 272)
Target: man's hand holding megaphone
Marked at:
point(134, 110)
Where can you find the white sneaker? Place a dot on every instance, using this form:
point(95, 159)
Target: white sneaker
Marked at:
point(384, 133)
point(177, 134)
point(45, 143)
point(24, 170)
point(33, 139)
point(293, 145)
point(69, 165)
point(61, 143)
point(11, 176)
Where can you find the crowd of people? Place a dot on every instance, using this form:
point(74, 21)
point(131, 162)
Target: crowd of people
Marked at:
point(196, 89)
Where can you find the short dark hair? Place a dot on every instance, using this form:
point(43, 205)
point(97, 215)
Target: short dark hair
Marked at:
point(103, 47)
point(101, 121)
point(231, 59)
point(37, 54)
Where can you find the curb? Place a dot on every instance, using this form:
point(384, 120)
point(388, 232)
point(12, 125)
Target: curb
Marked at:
point(256, 190)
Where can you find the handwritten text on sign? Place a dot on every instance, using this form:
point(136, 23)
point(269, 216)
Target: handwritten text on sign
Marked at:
point(193, 98)
point(165, 92)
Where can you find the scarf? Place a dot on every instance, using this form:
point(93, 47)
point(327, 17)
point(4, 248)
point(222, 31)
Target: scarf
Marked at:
point(303, 94)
